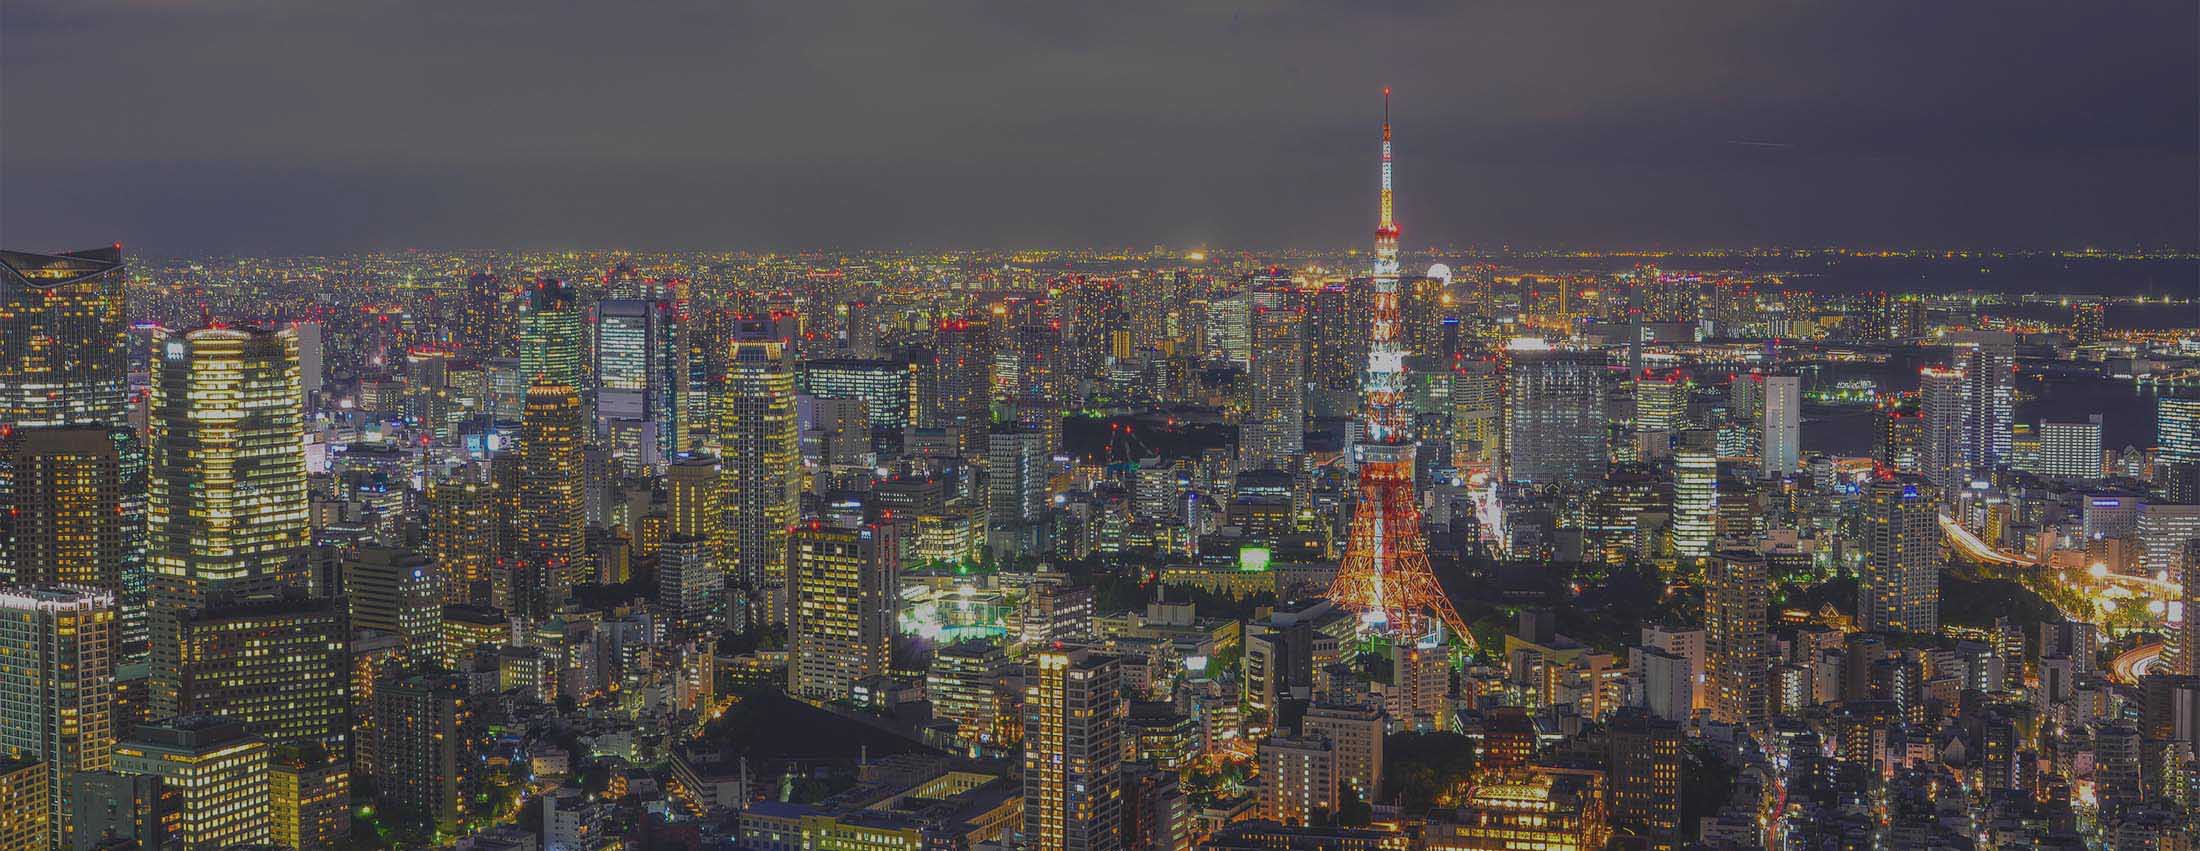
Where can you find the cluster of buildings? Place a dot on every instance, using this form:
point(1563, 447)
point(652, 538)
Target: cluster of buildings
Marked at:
point(426, 543)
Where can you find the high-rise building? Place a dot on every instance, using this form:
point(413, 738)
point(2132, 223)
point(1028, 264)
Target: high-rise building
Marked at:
point(1695, 500)
point(691, 504)
point(1645, 777)
point(277, 666)
point(1298, 780)
point(963, 364)
point(134, 807)
point(421, 759)
point(482, 327)
point(1899, 588)
point(1943, 446)
point(1737, 595)
point(1554, 416)
point(546, 505)
point(220, 770)
point(1275, 425)
point(309, 799)
point(460, 537)
point(841, 590)
point(1477, 421)
point(399, 592)
point(57, 646)
point(64, 506)
point(1355, 734)
point(1073, 752)
point(1661, 401)
point(2086, 322)
point(2184, 615)
point(1783, 424)
point(1989, 363)
point(1016, 488)
point(226, 505)
point(760, 476)
point(690, 588)
point(2071, 449)
point(2177, 434)
point(886, 387)
point(27, 818)
point(63, 344)
point(551, 335)
point(964, 685)
point(1336, 341)
point(642, 371)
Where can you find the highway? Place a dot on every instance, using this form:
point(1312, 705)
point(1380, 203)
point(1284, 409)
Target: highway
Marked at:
point(2132, 664)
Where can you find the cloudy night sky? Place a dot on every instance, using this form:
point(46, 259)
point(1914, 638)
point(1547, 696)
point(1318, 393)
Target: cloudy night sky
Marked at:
point(229, 126)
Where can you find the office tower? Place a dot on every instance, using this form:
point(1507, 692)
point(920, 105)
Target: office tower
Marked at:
point(63, 506)
point(468, 630)
point(63, 345)
point(886, 387)
point(759, 475)
point(1094, 315)
point(399, 592)
point(1661, 401)
point(1783, 425)
point(1554, 416)
point(1695, 500)
point(642, 371)
point(2184, 615)
point(2086, 327)
point(841, 592)
point(1073, 752)
point(277, 666)
point(1355, 735)
point(1644, 762)
point(1899, 435)
point(1477, 414)
point(1298, 780)
point(57, 646)
point(1899, 588)
point(27, 818)
point(691, 505)
point(1016, 488)
point(226, 506)
point(690, 588)
point(546, 505)
point(481, 324)
point(1989, 363)
point(309, 799)
point(2177, 434)
point(460, 535)
point(2071, 449)
point(1336, 341)
point(1274, 431)
point(1230, 328)
point(964, 685)
point(421, 760)
point(551, 335)
point(962, 351)
point(1943, 447)
point(131, 807)
point(219, 769)
point(1737, 593)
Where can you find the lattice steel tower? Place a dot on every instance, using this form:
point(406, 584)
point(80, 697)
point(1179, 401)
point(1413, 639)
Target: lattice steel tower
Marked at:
point(1385, 577)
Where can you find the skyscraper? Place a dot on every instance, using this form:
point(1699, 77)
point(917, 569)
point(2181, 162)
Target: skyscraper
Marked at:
point(547, 506)
point(1016, 487)
point(460, 535)
point(1783, 425)
point(482, 329)
point(551, 334)
point(1737, 594)
point(62, 506)
point(1942, 449)
point(642, 371)
point(399, 592)
point(63, 349)
point(963, 361)
point(278, 666)
point(841, 596)
point(2086, 326)
point(219, 769)
point(885, 386)
point(1645, 769)
point(1477, 421)
point(691, 590)
point(226, 506)
point(2177, 433)
point(57, 646)
point(2071, 448)
point(1274, 432)
point(1298, 780)
point(691, 488)
point(1695, 500)
point(1989, 363)
point(760, 475)
point(1899, 589)
point(1073, 752)
point(1661, 401)
point(422, 764)
point(1554, 416)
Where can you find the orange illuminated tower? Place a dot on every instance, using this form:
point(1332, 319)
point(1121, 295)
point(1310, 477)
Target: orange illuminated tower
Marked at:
point(1385, 577)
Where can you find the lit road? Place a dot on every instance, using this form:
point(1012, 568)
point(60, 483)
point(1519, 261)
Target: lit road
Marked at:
point(2107, 591)
point(2132, 664)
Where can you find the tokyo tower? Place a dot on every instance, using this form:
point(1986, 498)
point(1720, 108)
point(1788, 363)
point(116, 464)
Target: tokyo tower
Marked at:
point(1385, 577)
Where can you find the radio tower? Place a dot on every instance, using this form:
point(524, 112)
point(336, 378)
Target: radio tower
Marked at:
point(1385, 577)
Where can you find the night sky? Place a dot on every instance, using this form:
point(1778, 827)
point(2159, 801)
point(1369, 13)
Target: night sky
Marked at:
point(263, 126)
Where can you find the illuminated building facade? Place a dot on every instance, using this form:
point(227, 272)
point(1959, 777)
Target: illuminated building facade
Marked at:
point(1298, 779)
point(886, 387)
point(1695, 501)
point(642, 372)
point(421, 758)
point(1073, 752)
point(63, 346)
point(309, 799)
point(1783, 425)
point(1737, 594)
point(27, 820)
point(220, 770)
point(963, 684)
point(1274, 431)
point(1661, 401)
point(1943, 447)
point(759, 475)
point(57, 656)
point(1355, 735)
point(226, 506)
point(842, 596)
point(1540, 810)
point(460, 536)
point(399, 592)
point(1899, 587)
point(275, 665)
point(691, 590)
point(1554, 416)
point(551, 335)
point(963, 369)
point(547, 506)
point(64, 505)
